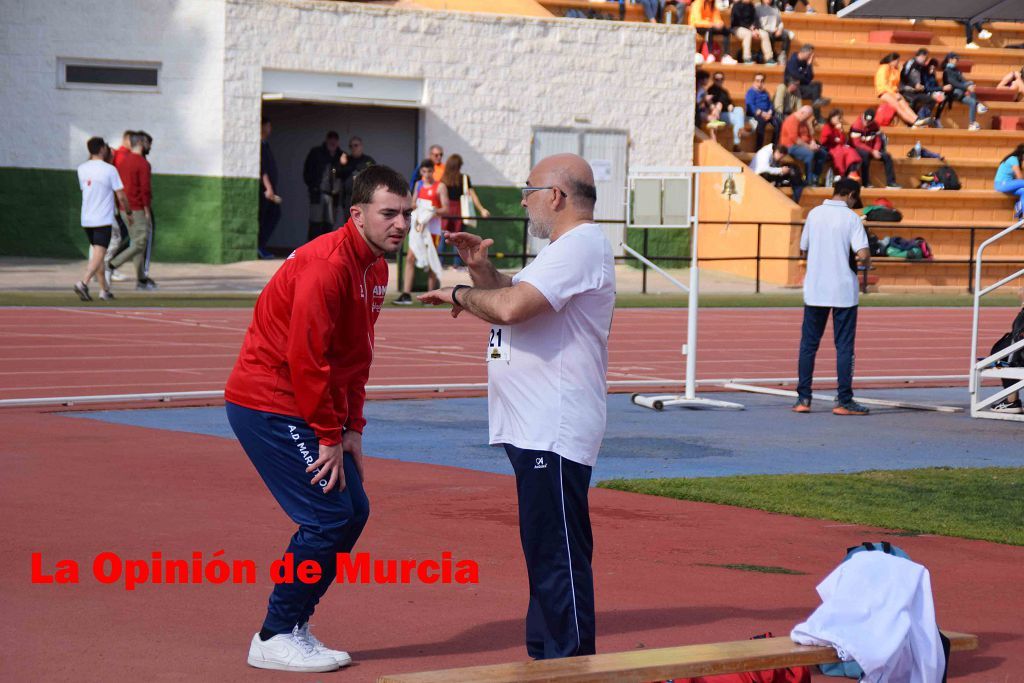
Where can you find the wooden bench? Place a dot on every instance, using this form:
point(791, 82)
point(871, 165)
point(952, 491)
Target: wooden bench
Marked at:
point(899, 36)
point(990, 93)
point(653, 665)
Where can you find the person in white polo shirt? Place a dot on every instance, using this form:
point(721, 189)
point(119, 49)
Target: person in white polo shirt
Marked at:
point(99, 182)
point(547, 356)
point(831, 232)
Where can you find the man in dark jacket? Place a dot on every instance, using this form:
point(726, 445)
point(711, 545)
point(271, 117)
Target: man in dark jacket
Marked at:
point(800, 68)
point(322, 175)
point(356, 162)
point(912, 84)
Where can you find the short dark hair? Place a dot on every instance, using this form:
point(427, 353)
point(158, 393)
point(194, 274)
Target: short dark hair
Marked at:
point(372, 178)
point(761, 74)
point(781, 149)
point(889, 58)
point(147, 138)
point(137, 138)
point(806, 47)
point(355, 138)
point(332, 135)
point(702, 75)
point(127, 133)
point(584, 193)
point(834, 112)
point(846, 187)
point(95, 145)
point(921, 51)
point(427, 163)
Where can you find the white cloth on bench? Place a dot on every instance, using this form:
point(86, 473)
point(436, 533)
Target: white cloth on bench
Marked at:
point(877, 609)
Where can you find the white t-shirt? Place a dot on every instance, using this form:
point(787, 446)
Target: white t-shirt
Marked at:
point(98, 180)
point(551, 393)
point(830, 232)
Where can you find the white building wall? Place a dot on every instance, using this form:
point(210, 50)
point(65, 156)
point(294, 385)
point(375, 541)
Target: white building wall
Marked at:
point(488, 79)
point(46, 127)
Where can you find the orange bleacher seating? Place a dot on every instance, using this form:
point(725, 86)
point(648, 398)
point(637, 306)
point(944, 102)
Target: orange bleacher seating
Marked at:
point(1008, 122)
point(988, 93)
point(903, 37)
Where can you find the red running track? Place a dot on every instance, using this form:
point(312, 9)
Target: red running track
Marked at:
point(48, 352)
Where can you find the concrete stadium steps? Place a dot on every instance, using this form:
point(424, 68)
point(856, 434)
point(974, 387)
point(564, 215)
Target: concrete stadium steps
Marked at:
point(955, 144)
point(899, 274)
point(949, 243)
point(815, 28)
point(852, 54)
point(954, 207)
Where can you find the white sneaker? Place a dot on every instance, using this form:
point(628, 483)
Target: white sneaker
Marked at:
point(285, 652)
point(729, 59)
point(984, 34)
point(304, 633)
point(972, 46)
point(115, 276)
point(982, 109)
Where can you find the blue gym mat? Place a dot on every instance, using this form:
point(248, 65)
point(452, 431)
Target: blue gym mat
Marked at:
point(766, 438)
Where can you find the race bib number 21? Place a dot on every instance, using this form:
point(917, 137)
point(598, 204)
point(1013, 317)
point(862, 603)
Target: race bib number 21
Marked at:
point(499, 344)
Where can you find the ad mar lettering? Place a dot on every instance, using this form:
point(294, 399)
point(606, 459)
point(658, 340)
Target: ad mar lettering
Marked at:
point(110, 568)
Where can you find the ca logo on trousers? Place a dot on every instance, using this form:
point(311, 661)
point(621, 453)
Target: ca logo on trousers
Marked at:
point(540, 464)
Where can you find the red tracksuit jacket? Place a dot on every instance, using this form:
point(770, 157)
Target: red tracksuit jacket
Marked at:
point(308, 349)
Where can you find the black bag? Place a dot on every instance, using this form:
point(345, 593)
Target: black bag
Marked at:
point(875, 245)
point(881, 213)
point(948, 177)
point(1016, 333)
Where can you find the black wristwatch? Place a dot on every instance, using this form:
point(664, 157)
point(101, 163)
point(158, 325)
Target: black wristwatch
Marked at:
point(455, 293)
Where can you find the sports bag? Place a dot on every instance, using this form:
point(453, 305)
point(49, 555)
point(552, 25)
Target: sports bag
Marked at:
point(883, 214)
point(852, 669)
point(793, 674)
point(1016, 333)
point(947, 176)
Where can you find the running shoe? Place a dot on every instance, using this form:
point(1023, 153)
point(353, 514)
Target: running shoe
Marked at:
point(729, 59)
point(850, 408)
point(802, 405)
point(984, 34)
point(147, 284)
point(106, 295)
point(82, 290)
point(304, 633)
point(972, 46)
point(1008, 407)
point(974, 126)
point(286, 652)
point(404, 299)
point(982, 108)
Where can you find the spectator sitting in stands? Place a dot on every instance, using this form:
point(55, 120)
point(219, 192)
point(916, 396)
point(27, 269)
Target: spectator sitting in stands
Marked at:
point(963, 89)
point(1010, 179)
point(652, 10)
point(800, 68)
point(708, 110)
point(787, 99)
point(727, 110)
point(770, 20)
point(887, 88)
point(866, 137)
point(674, 9)
point(759, 110)
point(790, 5)
point(767, 163)
point(798, 136)
point(969, 29)
point(845, 159)
point(931, 85)
point(912, 85)
point(747, 28)
point(707, 21)
point(1013, 81)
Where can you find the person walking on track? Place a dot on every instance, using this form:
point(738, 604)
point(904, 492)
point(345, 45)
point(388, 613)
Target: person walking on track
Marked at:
point(547, 363)
point(830, 232)
point(295, 401)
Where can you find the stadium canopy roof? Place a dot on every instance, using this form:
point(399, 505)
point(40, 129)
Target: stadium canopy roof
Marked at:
point(959, 10)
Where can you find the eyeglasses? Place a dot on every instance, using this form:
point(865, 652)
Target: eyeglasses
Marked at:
point(527, 191)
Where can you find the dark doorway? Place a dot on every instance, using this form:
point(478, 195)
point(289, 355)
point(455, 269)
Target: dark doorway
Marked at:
point(389, 135)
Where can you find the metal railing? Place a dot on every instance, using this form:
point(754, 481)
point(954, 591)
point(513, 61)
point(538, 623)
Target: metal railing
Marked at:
point(908, 229)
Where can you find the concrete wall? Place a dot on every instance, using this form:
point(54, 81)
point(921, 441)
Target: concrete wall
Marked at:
point(489, 79)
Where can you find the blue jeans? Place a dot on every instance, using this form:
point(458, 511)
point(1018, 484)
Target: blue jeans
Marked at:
point(738, 119)
point(554, 528)
point(813, 160)
point(1012, 187)
point(329, 523)
point(844, 328)
point(652, 9)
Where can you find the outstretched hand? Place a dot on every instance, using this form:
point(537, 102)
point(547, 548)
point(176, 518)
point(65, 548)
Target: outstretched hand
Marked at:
point(437, 297)
point(472, 248)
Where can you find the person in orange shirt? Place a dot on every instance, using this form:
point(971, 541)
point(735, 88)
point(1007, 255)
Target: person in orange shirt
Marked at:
point(887, 87)
point(707, 20)
point(796, 134)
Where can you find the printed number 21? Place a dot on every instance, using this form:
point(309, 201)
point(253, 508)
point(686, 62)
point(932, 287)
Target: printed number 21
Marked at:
point(495, 333)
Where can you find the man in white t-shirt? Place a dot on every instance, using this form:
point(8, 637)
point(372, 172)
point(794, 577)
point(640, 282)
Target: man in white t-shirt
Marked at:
point(831, 232)
point(99, 182)
point(547, 359)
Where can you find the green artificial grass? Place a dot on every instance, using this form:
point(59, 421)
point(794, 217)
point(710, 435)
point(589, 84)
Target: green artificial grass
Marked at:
point(984, 503)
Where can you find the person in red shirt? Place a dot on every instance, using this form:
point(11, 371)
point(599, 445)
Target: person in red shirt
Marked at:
point(797, 136)
point(295, 401)
point(845, 159)
point(135, 175)
point(866, 137)
point(119, 237)
point(431, 203)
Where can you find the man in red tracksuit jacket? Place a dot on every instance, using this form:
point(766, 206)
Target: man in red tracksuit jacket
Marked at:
point(295, 402)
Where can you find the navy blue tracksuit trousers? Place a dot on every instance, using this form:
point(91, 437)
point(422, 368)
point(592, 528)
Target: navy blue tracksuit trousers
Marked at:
point(844, 331)
point(554, 527)
point(281, 448)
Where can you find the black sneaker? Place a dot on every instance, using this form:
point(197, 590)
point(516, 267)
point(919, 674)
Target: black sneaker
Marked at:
point(147, 285)
point(850, 408)
point(1008, 407)
point(82, 290)
point(106, 295)
point(404, 299)
point(802, 405)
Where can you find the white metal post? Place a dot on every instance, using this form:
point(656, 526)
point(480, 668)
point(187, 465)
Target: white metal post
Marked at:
point(691, 314)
